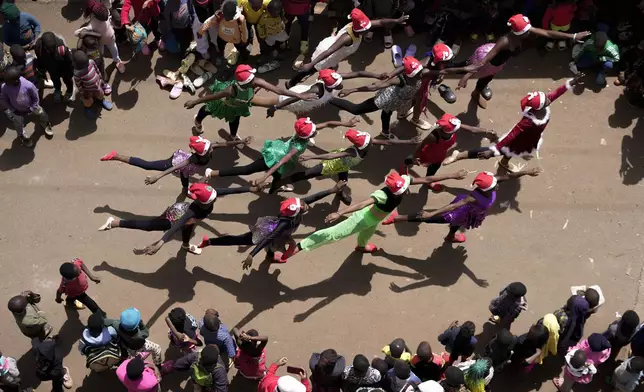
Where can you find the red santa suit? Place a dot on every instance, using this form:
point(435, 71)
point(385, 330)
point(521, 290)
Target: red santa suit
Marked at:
point(526, 136)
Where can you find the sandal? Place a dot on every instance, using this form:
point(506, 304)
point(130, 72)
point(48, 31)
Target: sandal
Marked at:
point(369, 248)
point(109, 156)
point(286, 188)
point(458, 238)
point(204, 242)
point(194, 249)
point(107, 225)
point(389, 41)
point(68, 383)
point(163, 81)
point(396, 55)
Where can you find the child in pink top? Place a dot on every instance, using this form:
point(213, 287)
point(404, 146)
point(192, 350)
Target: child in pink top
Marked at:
point(138, 376)
point(595, 350)
point(250, 361)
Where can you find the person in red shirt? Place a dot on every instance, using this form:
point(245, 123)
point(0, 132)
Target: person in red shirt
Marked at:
point(147, 13)
point(434, 148)
point(74, 285)
point(558, 17)
point(272, 382)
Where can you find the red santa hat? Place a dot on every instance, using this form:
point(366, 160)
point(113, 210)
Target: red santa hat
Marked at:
point(359, 21)
point(290, 207)
point(244, 74)
point(359, 139)
point(449, 123)
point(535, 100)
point(199, 145)
point(304, 128)
point(330, 78)
point(396, 183)
point(519, 24)
point(484, 181)
point(441, 52)
point(412, 66)
point(202, 193)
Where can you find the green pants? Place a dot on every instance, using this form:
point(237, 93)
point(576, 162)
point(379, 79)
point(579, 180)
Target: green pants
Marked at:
point(362, 222)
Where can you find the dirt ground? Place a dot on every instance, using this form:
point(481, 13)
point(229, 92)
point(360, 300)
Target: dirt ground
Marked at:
point(575, 224)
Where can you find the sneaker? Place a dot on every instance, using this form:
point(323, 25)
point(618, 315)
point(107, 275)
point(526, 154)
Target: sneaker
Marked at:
point(25, 141)
point(202, 79)
point(186, 63)
point(369, 248)
point(187, 83)
point(420, 123)
point(390, 218)
point(562, 46)
point(107, 225)
point(396, 55)
point(120, 66)
point(550, 45)
point(107, 105)
point(573, 68)
point(48, 83)
point(49, 131)
point(387, 135)
point(58, 96)
point(237, 138)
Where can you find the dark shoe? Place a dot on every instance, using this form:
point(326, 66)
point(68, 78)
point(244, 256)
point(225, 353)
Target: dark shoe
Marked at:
point(487, 93)
point(446, 93)
point(27, 142)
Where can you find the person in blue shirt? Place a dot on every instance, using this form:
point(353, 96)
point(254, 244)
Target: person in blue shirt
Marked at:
point(213, 331)
point(19, 27)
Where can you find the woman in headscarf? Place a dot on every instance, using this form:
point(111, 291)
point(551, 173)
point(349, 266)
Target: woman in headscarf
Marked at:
point(572, 319)
point(18, 27)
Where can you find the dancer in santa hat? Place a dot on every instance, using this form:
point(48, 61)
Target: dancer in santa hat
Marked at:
point(339, 162)
point(184, 164)
point(336, 48)
point(466, 211)
point(365, 215)
point(273, 232)
point(392, 95)
point(326, 87)
point(431, 152)
point(525, 138)
point(491, 58)
point(231, 100)
point(279, 156)
point(180, 216)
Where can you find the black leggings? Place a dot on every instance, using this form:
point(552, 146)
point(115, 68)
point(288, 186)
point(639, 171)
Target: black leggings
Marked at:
point(483, 82)
point(434, 219)
point(245, 239)
point(160, 165)
point(233, 125)
point(303, 21)
point(299, 76)
point(253, 167)
point(85, 300)
point(368, 106)
point(312, 172)
point(156, 224)
point(431, 168)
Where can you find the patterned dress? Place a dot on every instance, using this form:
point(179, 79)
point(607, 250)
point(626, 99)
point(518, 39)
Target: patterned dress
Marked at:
point(188, 170)
point(175, 211)
point(275, 150)
point(307, 106)
point(398, 97)
point(341, 165)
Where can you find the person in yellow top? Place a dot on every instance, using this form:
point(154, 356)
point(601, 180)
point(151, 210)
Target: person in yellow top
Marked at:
point(231, 27)
point(271, 31)
point(253, 11)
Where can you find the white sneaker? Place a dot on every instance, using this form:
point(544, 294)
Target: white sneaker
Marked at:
point(202, 79)
point(550, 45)
point(49, 83)
point(107, 225)
point(450, 159)
point(573, 68)
point(420, 123)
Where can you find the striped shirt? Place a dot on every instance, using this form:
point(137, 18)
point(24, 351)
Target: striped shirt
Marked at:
point(28, 70)
point(88, 80)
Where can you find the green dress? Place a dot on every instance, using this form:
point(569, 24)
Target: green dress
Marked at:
point(340, 165)
point(228, 109)
point(275, 150)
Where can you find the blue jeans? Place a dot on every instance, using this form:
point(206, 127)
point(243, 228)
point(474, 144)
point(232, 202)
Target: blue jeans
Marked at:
point(588, 61)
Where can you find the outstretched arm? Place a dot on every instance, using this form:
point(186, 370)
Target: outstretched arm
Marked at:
point(509, 176)
point(276, 166)
point(559, 35)
point(259, 82)
point(344, 40)
point(149, 180)
point(388, 22)
point(459, 175)
point(447, 208)
point(370, 87)
point(474, 129)
point(228, 92)
point(355, 207)
point(332, 124)
point(364, 74)
point(393, 142)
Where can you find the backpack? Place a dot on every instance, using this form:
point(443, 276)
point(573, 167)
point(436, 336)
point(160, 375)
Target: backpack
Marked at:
point(200, 375)
point(102, 358)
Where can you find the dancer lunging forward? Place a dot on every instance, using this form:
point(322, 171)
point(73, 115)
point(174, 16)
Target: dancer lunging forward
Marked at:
point(179, 216)
point(525, 138)
point(365, 215)
point(467, 211)
point(273, 232)
point(181, 163)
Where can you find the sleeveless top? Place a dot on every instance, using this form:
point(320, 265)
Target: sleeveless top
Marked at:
point(435, 153)
point(335, 58)
point(344, 164)
point(391, 203)
point(275, 150)
point(394, 98)
point(470, 215)
point(307, 106)
point(241, 96)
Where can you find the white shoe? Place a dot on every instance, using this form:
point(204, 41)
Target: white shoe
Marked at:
point(202, 79)
point(450, 159)
point(420, 123)
point(194, 249)
point(562, 46)
point(550, 45)
point(401, 116)
point(49, 83)
point(107, 225)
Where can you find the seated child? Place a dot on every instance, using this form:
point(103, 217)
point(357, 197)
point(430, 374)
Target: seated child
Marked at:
point(90, 83)
point(597, 54)
point(250, 360)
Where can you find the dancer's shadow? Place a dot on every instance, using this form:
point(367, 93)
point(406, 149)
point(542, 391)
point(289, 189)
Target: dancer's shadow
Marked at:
point(352, 277)
point(632, 167)
point(71, 329)
point(259, 288)
point(171, 276)
point(506, 195)
point(443, 267)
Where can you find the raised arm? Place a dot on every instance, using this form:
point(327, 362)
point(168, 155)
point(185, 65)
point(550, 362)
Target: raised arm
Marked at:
point(90, 274)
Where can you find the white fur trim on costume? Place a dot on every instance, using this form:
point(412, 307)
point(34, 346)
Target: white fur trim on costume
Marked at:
point(415, 72)
point(363, 29)
point(568, 85)
point(249, 78)
point(296, 207)
point(213, 196)
point(525, 29)
point(537, 121)
point(338, 80)
point(405, 186)
point(206, 148)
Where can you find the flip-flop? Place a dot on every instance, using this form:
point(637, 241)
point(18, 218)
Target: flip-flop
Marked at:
point(389, 41)
point(163, 81)
point(411, 51)
point(107, 225)
point(176, 91)
point(457, 239)
point(286, 188)
point(396, 55)
point(369, 248)
point(268, 67)
point(194, 249)
point(109, 156)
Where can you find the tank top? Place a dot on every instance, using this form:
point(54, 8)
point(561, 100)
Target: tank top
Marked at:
point(393, 201)
point(307, 106)
point(436, 152)
point(339, 55)
point(241, 96)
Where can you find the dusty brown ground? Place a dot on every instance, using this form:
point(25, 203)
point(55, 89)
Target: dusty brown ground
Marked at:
point(578, 223)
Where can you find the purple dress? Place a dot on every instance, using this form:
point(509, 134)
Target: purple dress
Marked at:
point(488, 69)
point(472, 215)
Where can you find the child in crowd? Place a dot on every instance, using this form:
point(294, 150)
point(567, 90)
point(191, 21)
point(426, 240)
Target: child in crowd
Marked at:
point(271, 382)
point(18, 27)
point(207, 370)
point(146, 12)
point(204, 9)
point(271, 32)
point(176, 25)
point(30, 320)
point(621, 331)
point(327, 368)
point(400, 375)
point(551, 347)
point(598, 54)
point(55, 59)
point(9, 374)
point(138, 376)
point(99, 344)
point(74, 285)
point(20, 102)
point(486, 20)
point(509, 304)
point(26, 63)
point(529, 346)
point(478, 374)
point(184, 330)
point(454, 380)
point(215, 332)
point(396, 350)
point(90, 83)
point(572, 318)
point(100, 25)
point(231, 27)
point(49, 365)
point(425, 364)
point(91, 46)
point(499, 350)
point(576, 370)
point(299, 9)
point(359, 374)
point(133, 335)
point(628, 375)
point(383, 368)
point(250, 360)
point(559, 17)
point(459, 341)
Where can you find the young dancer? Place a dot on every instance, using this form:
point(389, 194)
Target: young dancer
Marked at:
point(392, 95)
point(279, 156)
point(336, 48)
point(179, 216)
point(325, 88)
point(432, 151)
point(339, 162)
point(273, 232)
point(466, 211)
point(491, 58)
point(181, 163)
point(365, 215)
point(525, 138)
point(232, 99)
